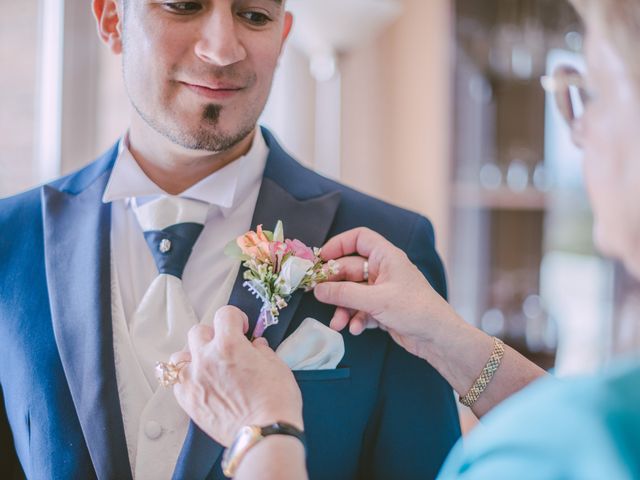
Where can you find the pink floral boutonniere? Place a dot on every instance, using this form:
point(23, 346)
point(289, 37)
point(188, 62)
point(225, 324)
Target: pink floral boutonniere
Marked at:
point(276, 268)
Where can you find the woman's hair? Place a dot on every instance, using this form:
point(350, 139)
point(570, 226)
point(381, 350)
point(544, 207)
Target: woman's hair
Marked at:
point(619, 20)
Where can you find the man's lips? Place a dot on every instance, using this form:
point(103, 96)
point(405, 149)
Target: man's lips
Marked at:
point(215, 91)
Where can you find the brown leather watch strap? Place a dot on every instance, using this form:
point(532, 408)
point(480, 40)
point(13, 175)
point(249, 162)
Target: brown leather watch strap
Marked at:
point(283, 428)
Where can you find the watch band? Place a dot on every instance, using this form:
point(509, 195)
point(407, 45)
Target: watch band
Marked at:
point(248, 437)
point(283, 428)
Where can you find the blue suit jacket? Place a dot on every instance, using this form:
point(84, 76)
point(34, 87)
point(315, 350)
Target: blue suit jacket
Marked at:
point(381, 414)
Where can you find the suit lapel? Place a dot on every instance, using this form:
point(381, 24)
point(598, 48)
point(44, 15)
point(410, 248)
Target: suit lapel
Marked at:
point(77, 257)
point(308, 220)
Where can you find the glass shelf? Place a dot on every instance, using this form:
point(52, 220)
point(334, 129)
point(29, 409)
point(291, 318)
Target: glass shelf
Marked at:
point(503, 198)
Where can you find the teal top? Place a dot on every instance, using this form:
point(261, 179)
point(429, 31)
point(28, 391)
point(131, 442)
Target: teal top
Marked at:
point(583, 428)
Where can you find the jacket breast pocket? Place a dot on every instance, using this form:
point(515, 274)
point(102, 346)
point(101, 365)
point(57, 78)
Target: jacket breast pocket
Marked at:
point(336, 374)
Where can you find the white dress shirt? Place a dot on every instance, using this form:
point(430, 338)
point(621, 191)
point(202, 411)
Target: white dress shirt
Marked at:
point(155, 427)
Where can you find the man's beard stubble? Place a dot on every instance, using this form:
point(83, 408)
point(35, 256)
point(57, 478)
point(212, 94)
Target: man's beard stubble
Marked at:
point(203, 139)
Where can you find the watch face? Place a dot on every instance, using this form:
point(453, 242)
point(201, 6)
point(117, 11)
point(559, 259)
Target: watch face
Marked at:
point(246, 438)
point(243, 440)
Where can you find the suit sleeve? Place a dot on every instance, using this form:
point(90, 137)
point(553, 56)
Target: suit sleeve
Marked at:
point(416, 422)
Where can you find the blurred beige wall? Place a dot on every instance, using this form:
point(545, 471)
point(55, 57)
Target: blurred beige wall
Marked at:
point(397, 113)
point(113, 103)
point(19, 104)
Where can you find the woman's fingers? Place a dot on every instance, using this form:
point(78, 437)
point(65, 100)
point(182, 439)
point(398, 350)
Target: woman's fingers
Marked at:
point(180, 357)
point(360, 322)
point(340, 319)
point(359, 240)
point(262, 345)
point(199, 336)
point(229, 325)
point(351, 270)
point(231, 322)
point(356, 326)
point(345, 294)
point(261, 342)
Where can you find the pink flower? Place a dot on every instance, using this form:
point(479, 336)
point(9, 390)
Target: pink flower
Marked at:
point(277, 251)
point(255, 245)
point(300, 250)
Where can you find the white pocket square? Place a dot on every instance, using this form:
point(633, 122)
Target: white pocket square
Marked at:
point(313, 346)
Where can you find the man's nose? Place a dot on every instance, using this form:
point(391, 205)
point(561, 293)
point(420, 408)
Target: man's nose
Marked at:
point(219, 43)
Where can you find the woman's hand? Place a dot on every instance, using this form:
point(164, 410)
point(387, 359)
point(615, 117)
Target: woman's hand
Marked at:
point(231, 382)
point(396, 298)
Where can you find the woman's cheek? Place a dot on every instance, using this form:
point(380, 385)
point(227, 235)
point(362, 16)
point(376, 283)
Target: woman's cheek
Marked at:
point(596, 180)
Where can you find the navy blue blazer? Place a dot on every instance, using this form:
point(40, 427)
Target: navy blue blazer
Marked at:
point(382, 414)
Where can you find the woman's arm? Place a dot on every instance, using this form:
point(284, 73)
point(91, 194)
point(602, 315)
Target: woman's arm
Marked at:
point(460, 351)
point(274, 458)
point(397, 298)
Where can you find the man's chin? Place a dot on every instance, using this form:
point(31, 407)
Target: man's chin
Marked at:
point(208, 138)
point(207, 134)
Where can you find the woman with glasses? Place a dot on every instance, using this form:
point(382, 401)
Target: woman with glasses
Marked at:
point(583, 428)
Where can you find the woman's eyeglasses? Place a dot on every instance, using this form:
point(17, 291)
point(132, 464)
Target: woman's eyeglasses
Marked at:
point(570, 91)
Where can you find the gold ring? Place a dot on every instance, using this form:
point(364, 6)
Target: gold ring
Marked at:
point(168, 373)
point(365, 271)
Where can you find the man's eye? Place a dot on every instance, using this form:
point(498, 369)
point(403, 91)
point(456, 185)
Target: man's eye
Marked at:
point(256, 18)
point(182, 8)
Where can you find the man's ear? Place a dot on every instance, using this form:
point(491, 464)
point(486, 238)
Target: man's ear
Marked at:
point(109, 22)
point(288, 23)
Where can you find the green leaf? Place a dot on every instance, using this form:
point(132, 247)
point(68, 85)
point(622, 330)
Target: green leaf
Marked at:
point(232, 250)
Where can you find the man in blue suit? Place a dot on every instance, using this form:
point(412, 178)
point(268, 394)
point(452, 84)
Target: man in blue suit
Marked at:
point(198, 75)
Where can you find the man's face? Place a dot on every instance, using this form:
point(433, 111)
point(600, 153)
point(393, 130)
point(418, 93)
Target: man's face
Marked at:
point(200, 72)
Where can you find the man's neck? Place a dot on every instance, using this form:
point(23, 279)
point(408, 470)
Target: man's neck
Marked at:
point(174, 168)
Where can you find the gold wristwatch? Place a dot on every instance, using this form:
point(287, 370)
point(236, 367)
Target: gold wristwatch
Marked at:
point(248, 437)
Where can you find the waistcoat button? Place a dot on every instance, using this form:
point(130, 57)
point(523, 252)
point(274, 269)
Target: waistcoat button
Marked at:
point(153, 430)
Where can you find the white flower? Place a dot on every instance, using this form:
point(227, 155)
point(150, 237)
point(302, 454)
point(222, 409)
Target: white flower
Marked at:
point(292, 273)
